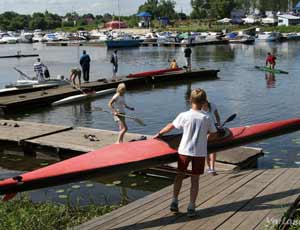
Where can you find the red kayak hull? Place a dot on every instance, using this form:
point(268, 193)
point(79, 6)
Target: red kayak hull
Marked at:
point(153, 73)
point(136, 155)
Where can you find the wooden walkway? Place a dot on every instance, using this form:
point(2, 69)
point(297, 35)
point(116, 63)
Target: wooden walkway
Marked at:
point(24, 101)
point(231, 200)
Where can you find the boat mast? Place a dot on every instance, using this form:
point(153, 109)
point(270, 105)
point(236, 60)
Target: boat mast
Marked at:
point(119, 15)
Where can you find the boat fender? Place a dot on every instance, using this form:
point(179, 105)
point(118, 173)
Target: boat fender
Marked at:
point(19, 179)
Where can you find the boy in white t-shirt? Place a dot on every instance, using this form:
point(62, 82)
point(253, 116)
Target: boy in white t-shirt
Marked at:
point(196, 126)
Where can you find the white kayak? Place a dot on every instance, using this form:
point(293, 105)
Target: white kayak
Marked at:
point(82, 97)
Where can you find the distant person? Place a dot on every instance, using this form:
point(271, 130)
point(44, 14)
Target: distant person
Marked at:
point(188, 55)
point(39, 70)
point(173, 64)
point(114, 61)
point(196, 126)
point(75, 73)
point(212, 111)
point(85, 65)
point(117, 105)
point(271, 61)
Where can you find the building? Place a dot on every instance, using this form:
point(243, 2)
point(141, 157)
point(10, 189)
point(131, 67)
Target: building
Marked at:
point(288, 20)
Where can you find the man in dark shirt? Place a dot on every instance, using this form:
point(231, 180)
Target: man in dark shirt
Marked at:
point(85, 65)
point(187, 55)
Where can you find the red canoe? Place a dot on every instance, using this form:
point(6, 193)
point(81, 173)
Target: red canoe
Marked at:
point(135, 155)
point(152, 73)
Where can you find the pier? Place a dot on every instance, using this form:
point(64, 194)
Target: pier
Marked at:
point(248, 199)
point(30, 100)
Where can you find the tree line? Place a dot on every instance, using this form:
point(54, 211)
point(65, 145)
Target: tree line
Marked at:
point(157, 8)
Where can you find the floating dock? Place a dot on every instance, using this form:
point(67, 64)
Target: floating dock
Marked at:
point(13, 103)
point(177, 44)
point(79, 43)
point(249, 199)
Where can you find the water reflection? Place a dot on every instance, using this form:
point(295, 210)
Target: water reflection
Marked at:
point(270, 80)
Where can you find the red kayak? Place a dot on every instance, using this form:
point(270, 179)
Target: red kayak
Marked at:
point(135, 155)
point(152, 73)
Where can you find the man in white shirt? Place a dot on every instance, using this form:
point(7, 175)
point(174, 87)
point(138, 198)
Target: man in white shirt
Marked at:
point(196, 125)
point(39, 69)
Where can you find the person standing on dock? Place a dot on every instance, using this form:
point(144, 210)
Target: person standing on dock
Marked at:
point(38, 68)
point(196, 126)
point(85, 65)
point(117, 105)
point(212, 111)
point(188, 57)
point(114, 61)
point(271, 61)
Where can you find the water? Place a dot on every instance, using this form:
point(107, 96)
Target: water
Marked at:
point(251, 94)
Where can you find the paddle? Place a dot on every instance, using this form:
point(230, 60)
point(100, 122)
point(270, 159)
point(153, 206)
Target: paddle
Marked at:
point(22, 74)
point(137, 120)
point(229, 119)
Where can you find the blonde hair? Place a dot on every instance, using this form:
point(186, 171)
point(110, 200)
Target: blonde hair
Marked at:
point(121, 87)
point(198, 96)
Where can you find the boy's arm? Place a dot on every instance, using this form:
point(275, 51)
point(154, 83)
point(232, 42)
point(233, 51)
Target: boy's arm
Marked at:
point(128, 107)
point(165, 130)
point(218, 119)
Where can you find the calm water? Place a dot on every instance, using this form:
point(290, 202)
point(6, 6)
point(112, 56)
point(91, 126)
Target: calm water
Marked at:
point(243, 90)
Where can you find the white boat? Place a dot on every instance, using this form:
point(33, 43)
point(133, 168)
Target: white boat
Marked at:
point(25, 37)
point(62, 36)
point(51, 37)
point(82, 97)
point(8, 39)
point(269, 36)
point(38, 36)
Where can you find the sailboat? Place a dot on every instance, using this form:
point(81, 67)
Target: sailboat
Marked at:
point(122, 40)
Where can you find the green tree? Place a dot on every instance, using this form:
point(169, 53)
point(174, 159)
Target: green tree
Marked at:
point(221, 8)
point(167, 8)
point(200, 8)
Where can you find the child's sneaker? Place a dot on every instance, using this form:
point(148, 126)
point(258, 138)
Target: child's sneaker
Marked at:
point(191, 212)
point(174, 207)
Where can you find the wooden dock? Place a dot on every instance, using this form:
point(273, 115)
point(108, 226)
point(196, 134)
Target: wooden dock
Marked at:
point(252, 199)
point(178, 44)
point(13, 103)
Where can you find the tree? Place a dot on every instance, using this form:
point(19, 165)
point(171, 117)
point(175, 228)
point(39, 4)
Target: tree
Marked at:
point(221, 8)
point(166, 8)
point(200, 8)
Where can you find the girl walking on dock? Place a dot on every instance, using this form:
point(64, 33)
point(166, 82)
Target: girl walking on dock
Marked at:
point(117, 105)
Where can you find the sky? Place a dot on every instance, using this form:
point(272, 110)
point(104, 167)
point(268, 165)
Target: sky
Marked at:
point(61, 7)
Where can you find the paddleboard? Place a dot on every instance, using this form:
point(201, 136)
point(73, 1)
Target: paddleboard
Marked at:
point(267, 69)
point(82, 97)
point(136, 155)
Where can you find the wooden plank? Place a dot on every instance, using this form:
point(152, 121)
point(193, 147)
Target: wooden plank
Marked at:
point(217, 210)
point(161, 214)
point(287, 197)
point(238, 155)
point(252, 214)
point(133, 206)
point(75, 139)
point(26, 130)
point(225, 190)
point(131, 209)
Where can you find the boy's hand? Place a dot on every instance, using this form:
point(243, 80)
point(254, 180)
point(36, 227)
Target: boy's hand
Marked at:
point(132, 109)
point(158, 135)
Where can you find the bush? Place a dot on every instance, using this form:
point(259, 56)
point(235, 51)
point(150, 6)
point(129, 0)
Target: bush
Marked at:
point(24, 214)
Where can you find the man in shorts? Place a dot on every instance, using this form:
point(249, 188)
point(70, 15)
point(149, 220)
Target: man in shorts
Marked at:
point(196, 125)
point(188, 57)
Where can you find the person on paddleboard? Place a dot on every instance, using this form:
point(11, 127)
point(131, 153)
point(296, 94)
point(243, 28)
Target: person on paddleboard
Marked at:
point(212, 111)
point(75, 73)
point(271, 61)
point(196, 125)
point(85, 65)
point(118, 105)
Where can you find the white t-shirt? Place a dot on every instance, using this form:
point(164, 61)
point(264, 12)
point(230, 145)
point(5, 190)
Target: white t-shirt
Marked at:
point(119, 104)
point(196, 125)
point(211, 113)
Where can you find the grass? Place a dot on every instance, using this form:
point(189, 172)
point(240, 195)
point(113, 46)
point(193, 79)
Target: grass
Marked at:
point(24, 214)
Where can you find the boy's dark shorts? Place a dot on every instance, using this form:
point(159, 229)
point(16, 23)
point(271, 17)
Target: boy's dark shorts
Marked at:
point(198, 164)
